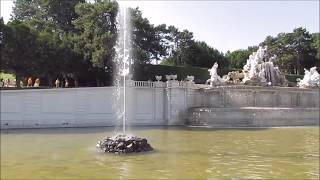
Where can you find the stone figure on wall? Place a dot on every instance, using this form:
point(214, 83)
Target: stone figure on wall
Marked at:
point(260, 70)
point(311, 78)
point(215, 79)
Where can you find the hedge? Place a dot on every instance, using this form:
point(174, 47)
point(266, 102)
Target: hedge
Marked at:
point(293, 77)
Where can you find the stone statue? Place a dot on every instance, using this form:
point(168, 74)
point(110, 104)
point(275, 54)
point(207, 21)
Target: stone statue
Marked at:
point(190, 78)
point(311, 79)
point(261, 71)
point(258, 70)
point(235, 77)
point(215, 79)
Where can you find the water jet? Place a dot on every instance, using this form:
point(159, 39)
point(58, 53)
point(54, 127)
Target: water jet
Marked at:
point(122, 142)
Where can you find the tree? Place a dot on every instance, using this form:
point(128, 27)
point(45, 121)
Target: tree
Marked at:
point(47, 14)
point(294, 50)
point(18, 50)
point(179, 43)
point(97, 35)
point(148, 41)
point(53, 22)
point(33, 13)
point(238, 58)
point(187, 52)
point(316, 46)
point(201, 55)
point(62, 13)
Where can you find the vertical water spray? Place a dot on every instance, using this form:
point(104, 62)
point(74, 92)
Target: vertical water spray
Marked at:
point(122, 64)
point(122, 143)
point(124, 75)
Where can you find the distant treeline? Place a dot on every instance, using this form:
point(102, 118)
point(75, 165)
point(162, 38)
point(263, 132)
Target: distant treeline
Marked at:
point(76, 40)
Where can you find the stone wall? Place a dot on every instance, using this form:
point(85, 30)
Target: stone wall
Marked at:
point(158, 103)
point(253, 117)
point(250, 106)
point(253, 96)
point(76, 107)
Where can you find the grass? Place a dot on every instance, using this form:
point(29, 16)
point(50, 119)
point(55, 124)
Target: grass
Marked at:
point(5, 76)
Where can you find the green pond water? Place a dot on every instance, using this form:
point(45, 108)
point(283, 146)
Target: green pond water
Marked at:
point(180, 153)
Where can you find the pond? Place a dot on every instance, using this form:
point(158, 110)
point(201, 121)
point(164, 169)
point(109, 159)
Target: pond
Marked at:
point(180, 153)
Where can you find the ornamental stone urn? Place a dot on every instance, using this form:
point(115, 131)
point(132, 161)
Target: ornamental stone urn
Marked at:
point(158, 78)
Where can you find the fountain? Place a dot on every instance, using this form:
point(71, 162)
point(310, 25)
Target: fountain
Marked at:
point(311, 79)
point(123, 143)
point(215, 79)
point(258, 70)
point(256, 97)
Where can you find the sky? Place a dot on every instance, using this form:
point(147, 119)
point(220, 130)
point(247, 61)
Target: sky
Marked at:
point(225, 25)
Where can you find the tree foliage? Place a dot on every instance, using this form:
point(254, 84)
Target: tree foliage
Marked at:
point(77, 38)
point(147, 40)
point(295, 50)
point(97, 26)
point(238, 58)
point(17, 49)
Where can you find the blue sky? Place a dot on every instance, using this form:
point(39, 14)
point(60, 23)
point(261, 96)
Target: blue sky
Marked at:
point(225, 25)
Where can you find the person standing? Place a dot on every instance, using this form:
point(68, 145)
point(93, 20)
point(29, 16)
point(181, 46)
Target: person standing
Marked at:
point(29, 82)
point(36, 83)
point(8, 83)
point(66, 84)
point(57, 83)
point(1, 83)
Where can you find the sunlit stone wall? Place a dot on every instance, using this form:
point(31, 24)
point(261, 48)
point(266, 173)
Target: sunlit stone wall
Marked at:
point(154, 103)
point(150, 103)
point(253, 96)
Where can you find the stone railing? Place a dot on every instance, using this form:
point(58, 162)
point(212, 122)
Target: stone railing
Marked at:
point(144, 84)
point(170, 83)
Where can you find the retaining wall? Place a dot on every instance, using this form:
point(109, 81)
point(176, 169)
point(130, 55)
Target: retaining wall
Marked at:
point(158, 103)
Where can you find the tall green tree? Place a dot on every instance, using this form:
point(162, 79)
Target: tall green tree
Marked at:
point(62, 13)
point(33, 13)
point(295, 50)
point(201, 55)
point(47, 14)
point(179, 43)
point(147, 40)
point(185, 51)
point(18, 50)
point(316, 46)
point(97, 34)
point(238, 58)
point(53, 20)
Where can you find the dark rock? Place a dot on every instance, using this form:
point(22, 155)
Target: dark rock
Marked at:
point(124, 144)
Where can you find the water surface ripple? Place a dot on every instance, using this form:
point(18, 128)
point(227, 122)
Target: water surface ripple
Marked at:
point(180, 153)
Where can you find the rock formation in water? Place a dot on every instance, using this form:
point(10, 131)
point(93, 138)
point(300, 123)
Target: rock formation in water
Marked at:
point(124, 144)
